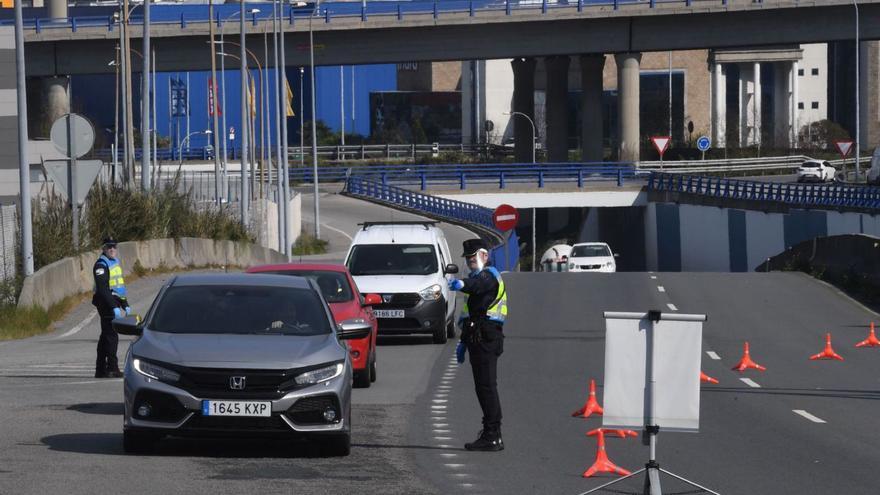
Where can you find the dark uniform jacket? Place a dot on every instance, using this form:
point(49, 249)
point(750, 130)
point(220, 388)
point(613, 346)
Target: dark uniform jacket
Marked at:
point(104, 299)
point(482, 290)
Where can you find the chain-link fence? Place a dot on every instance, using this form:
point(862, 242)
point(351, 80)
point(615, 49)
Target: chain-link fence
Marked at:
point(8, 228)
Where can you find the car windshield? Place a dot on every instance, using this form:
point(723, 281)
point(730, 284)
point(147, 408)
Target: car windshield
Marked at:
point(334, 285)
point(589, 251)
point(392, 259)
point(220, 309)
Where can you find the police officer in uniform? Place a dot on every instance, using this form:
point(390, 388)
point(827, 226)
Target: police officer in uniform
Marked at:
point(110, 300)
point(482, 322)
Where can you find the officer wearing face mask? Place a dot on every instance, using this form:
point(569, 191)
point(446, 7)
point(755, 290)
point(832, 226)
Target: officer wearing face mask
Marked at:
point(482, 323)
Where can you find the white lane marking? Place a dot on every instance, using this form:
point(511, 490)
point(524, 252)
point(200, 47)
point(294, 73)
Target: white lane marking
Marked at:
point(714, 355)
point(439, 401)
point(461, 475)
point(466, 485)
point(750, 382)
point(454, 466)
point(438, 407)
point(79, 326)
point(660, 288)
point(672, 307)
point(653, 277)
point(448, 455)
point(807, 415)
point(337, 230)
point(440, 425)
point(445, 446)
point(441, 432)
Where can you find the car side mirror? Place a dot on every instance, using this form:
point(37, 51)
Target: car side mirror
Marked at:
point(372, 299)
point(451, 269)
point(129, 325)
point(355, 328)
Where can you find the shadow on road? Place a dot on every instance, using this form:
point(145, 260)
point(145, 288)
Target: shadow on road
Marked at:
point(108, 408)
point(392, 340)
point(405, 447)
point(799, 392)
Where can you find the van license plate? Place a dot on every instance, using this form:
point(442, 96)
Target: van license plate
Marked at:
point(236, 408)
point(388, 313)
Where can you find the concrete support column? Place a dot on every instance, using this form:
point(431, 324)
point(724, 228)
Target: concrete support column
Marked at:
point(592, 149)
point(56, 101)
point(793, 105)
point(557, 103)
point(782, 90)
point(757, 104)
point(524, 102)
point(719, 106)
point(628, 106)
point(865, 83)
point(57, 9)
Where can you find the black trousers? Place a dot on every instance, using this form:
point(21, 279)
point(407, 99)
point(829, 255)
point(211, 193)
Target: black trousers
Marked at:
point(484, 365)
point(108, 343)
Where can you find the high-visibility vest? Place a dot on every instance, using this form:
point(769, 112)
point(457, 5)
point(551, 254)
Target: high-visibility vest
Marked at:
point(117, 283)
point(498, 310)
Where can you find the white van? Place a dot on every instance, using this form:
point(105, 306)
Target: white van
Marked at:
point(874, 171)
point(407, 264)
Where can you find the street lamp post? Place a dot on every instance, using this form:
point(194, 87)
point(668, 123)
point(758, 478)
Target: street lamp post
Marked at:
point(315, 11)
point(533, 130)
point(244, 117)
point(145, 102)
point(180, 146)
point(302, 125)
point(858, 90)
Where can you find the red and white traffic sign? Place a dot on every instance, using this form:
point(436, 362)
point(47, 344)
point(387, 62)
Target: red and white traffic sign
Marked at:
point(844, 147)
point(505, 217)
point(661, 143)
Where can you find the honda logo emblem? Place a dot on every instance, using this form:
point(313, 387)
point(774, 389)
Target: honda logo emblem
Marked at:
point(387, 298)
point(237, 382)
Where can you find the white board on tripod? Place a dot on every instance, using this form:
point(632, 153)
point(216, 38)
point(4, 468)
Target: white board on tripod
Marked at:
point(676, 392)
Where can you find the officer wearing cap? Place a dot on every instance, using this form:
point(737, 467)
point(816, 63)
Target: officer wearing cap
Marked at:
point(110, 300)
point(482, 321)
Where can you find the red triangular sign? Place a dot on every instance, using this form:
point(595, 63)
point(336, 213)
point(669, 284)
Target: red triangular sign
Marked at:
point(844, 147)
point(661, 143)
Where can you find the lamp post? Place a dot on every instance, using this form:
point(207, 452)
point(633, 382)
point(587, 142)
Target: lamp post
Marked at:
point(533, 130)
point(24, 168)
point(180, 146)
point(315, 12)
point(145, 102)
point(244, 117)
point(302, 125)
point(115, 64)
point(858, 90)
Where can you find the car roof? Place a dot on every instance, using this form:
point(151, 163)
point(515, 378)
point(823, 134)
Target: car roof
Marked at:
point(298, 267)
point(813, 160)
point(240, 278)
point(398, 234)
point(590, 244)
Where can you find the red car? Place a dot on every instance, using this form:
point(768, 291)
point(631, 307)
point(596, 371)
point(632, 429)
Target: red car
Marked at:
point(346, 302)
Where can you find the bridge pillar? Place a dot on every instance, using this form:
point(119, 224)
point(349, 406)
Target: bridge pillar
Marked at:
point(57, 9)
point(592, 149)
point(784, 119)
point(557, 106)
point(750, 104)
point(523, 102)
point(719, 106)
point(55, 102)
point(628, 106)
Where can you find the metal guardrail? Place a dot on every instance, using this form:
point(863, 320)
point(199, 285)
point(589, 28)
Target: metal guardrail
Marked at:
point(399, 11)
point(770, 163)
point(804, 195)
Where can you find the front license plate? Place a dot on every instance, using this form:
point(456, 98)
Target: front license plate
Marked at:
point(236, 408)
point(388, 313)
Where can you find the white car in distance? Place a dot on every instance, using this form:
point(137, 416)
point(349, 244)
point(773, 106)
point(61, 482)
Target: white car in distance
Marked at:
point(592, 257)
point(815, 171)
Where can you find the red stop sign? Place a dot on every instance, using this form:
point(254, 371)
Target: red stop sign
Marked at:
point(505, 217)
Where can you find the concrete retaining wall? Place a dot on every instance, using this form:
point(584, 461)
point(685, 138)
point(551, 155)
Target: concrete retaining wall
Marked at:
point(73, 275)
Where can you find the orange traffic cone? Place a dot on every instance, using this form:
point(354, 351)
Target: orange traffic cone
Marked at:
point(828, 352)
point(871, 341)
point(706, 378)
point(603, 464)
point(617, 433)
point(746, 361)
point(591, 406)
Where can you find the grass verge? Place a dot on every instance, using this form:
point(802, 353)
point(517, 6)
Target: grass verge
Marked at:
point(308, 244)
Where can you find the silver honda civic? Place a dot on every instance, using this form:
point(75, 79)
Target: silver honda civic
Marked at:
point(237, 354)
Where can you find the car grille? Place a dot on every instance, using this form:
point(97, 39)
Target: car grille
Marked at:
point(590, 267)
point(232, 424)
point(213, 383)
point(398, 324)
point(310, 410)
point(403, 300)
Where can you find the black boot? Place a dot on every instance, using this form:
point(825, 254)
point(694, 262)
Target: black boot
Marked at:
point(487, 442)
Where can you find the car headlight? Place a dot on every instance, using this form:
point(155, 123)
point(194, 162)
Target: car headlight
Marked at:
point(319, 375)
point(155, 372)
point(432, 293)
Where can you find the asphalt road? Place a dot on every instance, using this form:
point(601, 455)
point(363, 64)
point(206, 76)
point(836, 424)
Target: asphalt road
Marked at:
point(62, 429)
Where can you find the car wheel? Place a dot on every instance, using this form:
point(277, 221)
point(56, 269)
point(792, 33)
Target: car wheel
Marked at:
point(373, 372)
point(440, 334)
point(362, 378)
point(450, 329)
point(336, 445)
point(135, 442)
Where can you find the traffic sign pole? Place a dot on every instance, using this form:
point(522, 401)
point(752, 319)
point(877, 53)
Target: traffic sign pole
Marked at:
point(703, 144)
point(71, 181)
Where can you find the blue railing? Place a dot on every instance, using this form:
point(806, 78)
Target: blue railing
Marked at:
point(461, 175)
point(804, 195)
point(183, 15)
point(504, 254)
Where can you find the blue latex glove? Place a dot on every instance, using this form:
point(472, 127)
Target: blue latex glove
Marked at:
point(456, 284)
point(128, 310)
point(118, 313)
point(460, 351)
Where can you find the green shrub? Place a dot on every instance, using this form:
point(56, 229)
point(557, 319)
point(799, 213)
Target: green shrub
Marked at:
point(308, 244)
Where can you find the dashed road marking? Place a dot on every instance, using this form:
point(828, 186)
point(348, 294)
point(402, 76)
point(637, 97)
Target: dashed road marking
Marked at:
point(441, 431)
point(660, 288)
point(807, 415)
point(750, 382)
point(672, 307)
point(454, 466)
point(79, 326)
point(653, 277)
point(334, 229)
point(445, 454)
point(713, 355)
point(443, 438)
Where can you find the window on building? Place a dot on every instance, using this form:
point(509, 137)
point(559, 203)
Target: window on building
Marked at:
point(814, 105)
point(800, 105)
point(815, 72)
point(800, 72)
